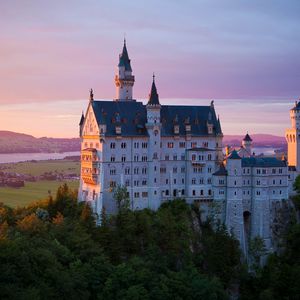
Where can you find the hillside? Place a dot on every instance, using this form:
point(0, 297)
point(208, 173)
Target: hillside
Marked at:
point(12, 142)
point(259, 140)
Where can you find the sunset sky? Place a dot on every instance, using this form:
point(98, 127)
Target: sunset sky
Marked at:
point(243, 54)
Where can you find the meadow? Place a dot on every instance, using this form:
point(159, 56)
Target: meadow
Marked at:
point(41, 189)
point(32, 192)
point(37, 168)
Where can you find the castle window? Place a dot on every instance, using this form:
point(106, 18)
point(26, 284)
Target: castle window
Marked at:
point(112, 158)
point(182, 192)
point(144, 170)
point(136, 145)
point(136, 195)
point(123, 158)
point(112, 171)
point(170, 145)
point(144, 145)
point(112, 184)
point(274, 181)
point(136, 158)
point(209, 181)
point(127, 183)
point(193, 144)
point(182, 180)
point(144, 194)
point(167, 181)
point(209, 156)
point(136, 171)
point(163, 170)
point(280, 171)
point(194, 181)
point(144, 182)
point(181, 144)
point(155, 155)
point(194, 157)
point(280, 181)
point(123, 145)
point(136, 183)
point(205, 144)
point(174, 157)
point(258, 182)
point(273, 171)
point(167, 157)
point(167, 192)
point(209, 170)
point(112, 145)
point(280, 192)
point(182, 170)
point(235, 193)
point(182, 157)
point(175, 170)
point(127, 171)
point(201, 181)
point(194, 193)
point(209, 192)
point(154, 180)
point(155, 168)
point(264, 171)
point(144, 158)
point(201, 192)
point(174, 180)
point(258, 171)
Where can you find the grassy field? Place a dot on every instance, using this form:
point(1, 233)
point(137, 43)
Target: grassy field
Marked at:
point(40, 167)
point(32, 191)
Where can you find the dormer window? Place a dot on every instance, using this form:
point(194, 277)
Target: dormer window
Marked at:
point(176, 129)
point(118, 129)
point(187, 127)
point(210, 128)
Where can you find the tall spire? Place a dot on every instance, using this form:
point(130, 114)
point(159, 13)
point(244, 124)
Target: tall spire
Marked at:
point(124, 79)
point(124, 58)
point(153, 96)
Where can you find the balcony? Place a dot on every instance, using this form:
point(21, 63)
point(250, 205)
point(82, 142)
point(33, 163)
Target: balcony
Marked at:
point(89, 166)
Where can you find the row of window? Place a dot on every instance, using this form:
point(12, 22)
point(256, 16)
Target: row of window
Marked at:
point(264, 171)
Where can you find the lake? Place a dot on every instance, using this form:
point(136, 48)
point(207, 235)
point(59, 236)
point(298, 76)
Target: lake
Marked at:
point(18, 157)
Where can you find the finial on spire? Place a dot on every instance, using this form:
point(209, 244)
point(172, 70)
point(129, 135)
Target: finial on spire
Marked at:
point(91, 95)
point(153, 76)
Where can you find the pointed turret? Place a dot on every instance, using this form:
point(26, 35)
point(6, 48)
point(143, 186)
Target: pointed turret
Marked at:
point(81, 124)
point(124, 58)
point(124, 79)
point(153, 96)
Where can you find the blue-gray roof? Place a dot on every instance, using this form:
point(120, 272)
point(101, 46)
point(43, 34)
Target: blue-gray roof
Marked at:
point(133, 116)
point(153, 97)
point(222, 171)
point(124, 59)
point(233, 155)
point(263, 162)
point(297, 106)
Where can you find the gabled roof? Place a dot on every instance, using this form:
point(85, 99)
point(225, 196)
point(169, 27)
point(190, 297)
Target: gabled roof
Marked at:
point(247, 138)
point(297, 106)
point(263, 162)
point(153, 96)
point(222, 171)
point(124, 58)
point(234, 155)
point(133, 116)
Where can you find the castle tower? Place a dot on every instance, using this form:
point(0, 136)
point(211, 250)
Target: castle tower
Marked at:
point(293, 138)
point(153, 126)
point(124, 79)
point(247, 144)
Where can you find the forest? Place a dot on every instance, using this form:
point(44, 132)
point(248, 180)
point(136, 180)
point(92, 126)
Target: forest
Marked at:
point(52, 249)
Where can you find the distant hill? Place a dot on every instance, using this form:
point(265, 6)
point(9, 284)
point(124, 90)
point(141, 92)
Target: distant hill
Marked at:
point(259, 140)
point(13, 142)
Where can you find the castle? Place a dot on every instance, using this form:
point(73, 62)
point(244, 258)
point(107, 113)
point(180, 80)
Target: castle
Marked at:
point(162, 152)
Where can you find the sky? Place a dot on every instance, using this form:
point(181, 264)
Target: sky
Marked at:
point(243, 54)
